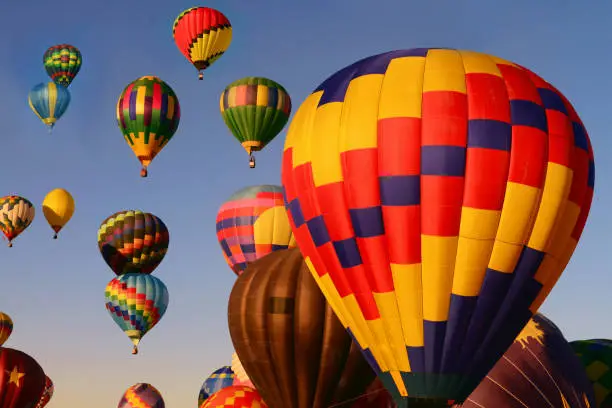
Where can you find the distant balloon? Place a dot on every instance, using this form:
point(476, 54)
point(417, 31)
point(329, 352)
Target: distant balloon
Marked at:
point(252, 223)
point(202, 34)
point(22, 379)
point(255, 110)
point(240, 375)
point(133, 241)
point(596, 357)
point(235, 396)
point(49, 102)
point(136, 302)
point(538, 370)
point(148, 114)
point(16, 214)
point(141, 395)
point(47, 393)
point(6, 327)
point(58, 207)
point(62, 63)
point(219, 379)
point(292, 346)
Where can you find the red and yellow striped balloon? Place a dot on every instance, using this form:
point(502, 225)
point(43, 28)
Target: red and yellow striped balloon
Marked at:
point(6, 327)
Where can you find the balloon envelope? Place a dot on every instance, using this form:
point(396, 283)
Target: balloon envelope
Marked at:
point(16, 214)
point(62, 63)
point(58, 207)
point(22, 379)
point(47, 393)
point(437, 196)
point(596, 357)
point(49, 102)
point(218, 379)
point(292, 346)
point(235, 396)
point(141, 395)
point(240, 375)
point(251, 224)
point(6, 327)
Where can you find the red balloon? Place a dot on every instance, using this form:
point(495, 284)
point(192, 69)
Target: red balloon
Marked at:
point(22, 379)
point(376, 396)
point(236, 396)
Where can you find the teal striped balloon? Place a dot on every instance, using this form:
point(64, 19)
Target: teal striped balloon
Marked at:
point(49, 102)
point(136, 302)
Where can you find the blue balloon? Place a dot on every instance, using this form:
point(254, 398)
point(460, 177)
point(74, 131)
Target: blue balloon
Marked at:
point(49, 102)
point(219, 379)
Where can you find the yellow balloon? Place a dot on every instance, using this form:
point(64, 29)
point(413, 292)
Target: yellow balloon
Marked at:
point(58, 207)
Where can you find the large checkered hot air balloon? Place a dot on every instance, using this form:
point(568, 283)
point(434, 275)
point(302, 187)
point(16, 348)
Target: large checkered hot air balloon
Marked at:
point(235, 396)
point(148, 114)
point(141, 395)
point(252, 223)
point(437, 196)
point(202, 34)
point(596, 357)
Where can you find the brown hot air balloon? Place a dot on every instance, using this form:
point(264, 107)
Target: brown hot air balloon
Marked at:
point(22, 379)
point(292, 346)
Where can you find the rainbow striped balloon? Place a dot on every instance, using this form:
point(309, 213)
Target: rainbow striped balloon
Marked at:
point(142, 395)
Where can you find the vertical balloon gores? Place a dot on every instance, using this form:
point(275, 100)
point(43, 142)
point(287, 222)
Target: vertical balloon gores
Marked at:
point(437, 196)
point(22, 379)
point(49, 102)
point(6, 327)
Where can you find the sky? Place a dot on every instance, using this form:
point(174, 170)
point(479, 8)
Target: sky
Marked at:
point(54, 290)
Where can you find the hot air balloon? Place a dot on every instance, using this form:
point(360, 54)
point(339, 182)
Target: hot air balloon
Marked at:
point(148, 114)
point(252, 223)
point(22, 379)
point(58, 207)
point(49, 102)
point(202, 35)
point(538, 370)
point(133, 241)
point(62, 63)
point(218, 379)
point(136, 302)
point(6, 327)
point(295, 351)
point(47, 393)
point(16, 214)
point(437, 196)
point(255, 110)
point(240, 375)
point(141, 395)
point(596, 357)
point(235, 396)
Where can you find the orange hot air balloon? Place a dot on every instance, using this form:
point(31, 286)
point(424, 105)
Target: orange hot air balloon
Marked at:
point(437, 196)
point(235, 396)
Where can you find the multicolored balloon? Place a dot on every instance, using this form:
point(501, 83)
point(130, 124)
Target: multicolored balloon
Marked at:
point(452, 187)
point(202, 34)
point(133, 241)
point(235, 396)
point(58, 208)
point(538, 370)
point(255, 110)
point(596, 357)
point(141, 395)
point(136, 302)
point(219, 379)
point(22, 379)
point(47, 393)
point(62, 63)
point(16, 214)
point(240, 375)
point(6, 327)
point(49, 102)
point(252, 223)
point(148, 114)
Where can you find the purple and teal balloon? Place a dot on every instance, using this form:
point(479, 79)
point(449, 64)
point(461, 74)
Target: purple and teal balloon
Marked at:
point(219, 379)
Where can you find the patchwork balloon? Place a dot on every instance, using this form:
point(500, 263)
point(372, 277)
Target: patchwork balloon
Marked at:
point(62, 63)
point(235, 396)
point(218, 379)
point(596, 357)
point(16, 214)
point(142, 395)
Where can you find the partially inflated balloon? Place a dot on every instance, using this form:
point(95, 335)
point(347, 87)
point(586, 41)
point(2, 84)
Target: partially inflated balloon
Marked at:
point(148, 114)
point(437, 196)
point(252, 223)
point(16, 214)
point(22, 379)
point(49, 102)
point(47, 393)
point(136, 302)
point(596, 357)
point(202, 34)
point(6, 327)
point(538, 370)
point(141, 395)
point(62, 63)
point(255, 110)
point(133, 241)
point(292, 346)
point(240, 375)
point(58, 207)
point(218, 379)
point(235, 396)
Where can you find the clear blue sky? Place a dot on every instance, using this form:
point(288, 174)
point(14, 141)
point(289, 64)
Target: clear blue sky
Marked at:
point(54, 289)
